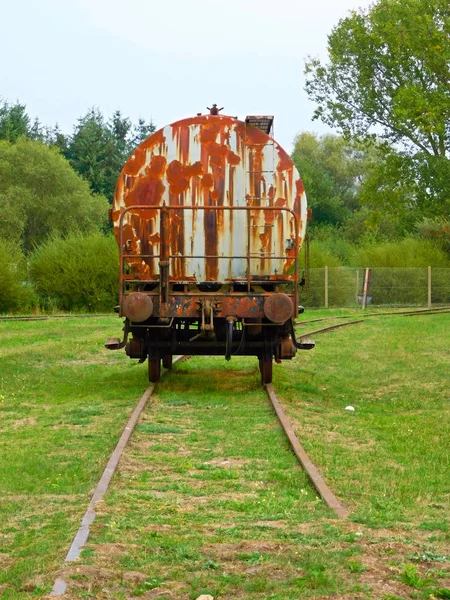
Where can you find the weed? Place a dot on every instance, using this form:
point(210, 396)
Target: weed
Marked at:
point(356, 567)
point(411, 577)
point(148, 584)
point(428, 557)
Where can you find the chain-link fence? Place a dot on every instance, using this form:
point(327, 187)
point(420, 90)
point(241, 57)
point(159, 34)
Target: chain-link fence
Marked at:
point(344, 287)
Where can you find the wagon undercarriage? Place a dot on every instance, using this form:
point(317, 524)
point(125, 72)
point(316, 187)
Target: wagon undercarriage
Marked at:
point(160, 339)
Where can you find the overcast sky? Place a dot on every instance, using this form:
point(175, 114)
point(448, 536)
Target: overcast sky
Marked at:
point(165, 59)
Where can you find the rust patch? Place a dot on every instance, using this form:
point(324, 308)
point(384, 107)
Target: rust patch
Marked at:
point(179, 175)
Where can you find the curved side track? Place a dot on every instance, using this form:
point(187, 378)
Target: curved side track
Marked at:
point(311, 470)
point(47, 317)
point(331, 327)
point(60, 585)
point(420, 311)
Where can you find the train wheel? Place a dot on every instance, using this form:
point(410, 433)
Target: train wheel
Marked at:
point(265, 367)
point(154, 369)
point(167, 361)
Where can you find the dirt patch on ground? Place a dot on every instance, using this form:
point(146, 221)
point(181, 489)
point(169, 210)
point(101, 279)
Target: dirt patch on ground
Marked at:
point(229, 552)
point(88, 577)
point(335, 436)
point(5, 560)
point(160, 527)
point(42, 497)
point(274, 524)
point(381, 578)
point(211, 498)
point(228, 463)
point(106, 552)
point(27, 422)
point(395, 465)
point(172, 589)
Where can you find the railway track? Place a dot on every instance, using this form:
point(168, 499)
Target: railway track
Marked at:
point(49, 317)
point(82, 535)
point(443, 310)
point(422, 311)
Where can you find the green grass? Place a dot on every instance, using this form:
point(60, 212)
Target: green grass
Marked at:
point(208, 497)
point(63, 403)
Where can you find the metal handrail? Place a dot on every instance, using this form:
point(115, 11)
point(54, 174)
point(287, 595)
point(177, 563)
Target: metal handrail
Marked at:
point(248, 256)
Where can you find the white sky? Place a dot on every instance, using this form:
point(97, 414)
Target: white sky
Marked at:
point(165, 59)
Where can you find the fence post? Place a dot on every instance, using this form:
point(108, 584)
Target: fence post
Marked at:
point(326, 287)
point(429, 287)
point(365, 287)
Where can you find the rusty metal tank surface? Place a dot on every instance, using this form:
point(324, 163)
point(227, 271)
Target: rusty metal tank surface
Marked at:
point(236, 204)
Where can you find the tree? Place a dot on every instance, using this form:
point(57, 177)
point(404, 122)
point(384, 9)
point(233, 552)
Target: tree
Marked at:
point(140, 132)
point(40, 194)
point(389, 67)
point(14, 121)
point(332, 169)
point(92, 152)
point(388, 74)
point(98, 149)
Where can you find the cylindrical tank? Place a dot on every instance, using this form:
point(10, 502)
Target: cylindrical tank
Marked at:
point(235, 202)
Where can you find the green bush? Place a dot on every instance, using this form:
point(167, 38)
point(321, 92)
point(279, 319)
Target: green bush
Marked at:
point(341, 280)
point(78, 273)
point(400, 274)
point(330, 240)
point(15, 294)
point(410, 252)
point(41, 195)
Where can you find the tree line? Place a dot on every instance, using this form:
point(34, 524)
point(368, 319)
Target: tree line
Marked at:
point(96, 149)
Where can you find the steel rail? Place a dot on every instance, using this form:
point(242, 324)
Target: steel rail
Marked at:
point(47, 317)
point(311, 470)
point(421, 311)
point(18, 318)
point(429, 312)
point(80, 539)
point(330, 328)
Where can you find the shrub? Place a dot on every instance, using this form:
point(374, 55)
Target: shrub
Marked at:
point(78, 273)
point(399, 271)
point(410, 252)
point(15, 294)
point(41, 195)
point(341, 280)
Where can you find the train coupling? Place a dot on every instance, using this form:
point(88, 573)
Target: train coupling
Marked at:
point(114, 343)
point(305, 343)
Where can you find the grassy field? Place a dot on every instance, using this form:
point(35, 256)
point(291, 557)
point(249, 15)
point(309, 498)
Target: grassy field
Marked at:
point(208, 498)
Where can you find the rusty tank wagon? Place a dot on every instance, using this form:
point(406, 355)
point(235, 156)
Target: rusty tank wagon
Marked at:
point(209, 215)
